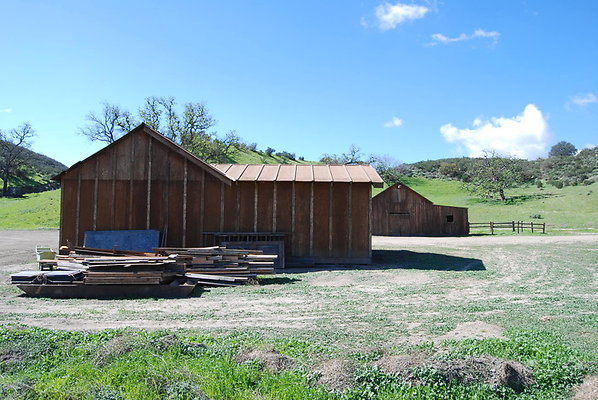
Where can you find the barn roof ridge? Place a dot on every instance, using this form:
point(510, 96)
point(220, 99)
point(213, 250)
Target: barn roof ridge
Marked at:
point(164, 140)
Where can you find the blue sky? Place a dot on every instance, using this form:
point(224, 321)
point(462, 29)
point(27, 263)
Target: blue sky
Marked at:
point(412, 79)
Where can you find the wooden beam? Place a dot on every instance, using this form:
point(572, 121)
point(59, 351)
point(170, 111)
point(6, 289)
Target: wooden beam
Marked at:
point(113, 205)
point(330, 208)
point(274, 205)
point(255, 201)
point(95, 195)
point(131, 180)
point(149, 183)
point(350, 221)
point(78, 212)
point(221, 206)
point(185, 183)
point(311, 219)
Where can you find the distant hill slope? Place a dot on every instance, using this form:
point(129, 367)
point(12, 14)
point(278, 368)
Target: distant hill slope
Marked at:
point(571, 170)
point(41, 169)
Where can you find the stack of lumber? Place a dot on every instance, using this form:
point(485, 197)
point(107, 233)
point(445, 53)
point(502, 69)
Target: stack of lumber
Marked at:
point(219, 266)
point(109, 268)
point(208, 266)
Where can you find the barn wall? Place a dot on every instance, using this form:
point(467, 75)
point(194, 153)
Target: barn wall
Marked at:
point(140, 183)
point(400, 211)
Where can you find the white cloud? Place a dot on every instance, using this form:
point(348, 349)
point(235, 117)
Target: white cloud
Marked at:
point(525, 135)
point(589, 146)
point(6, 110)
point(389, 16)
point(395, 122)
point(583, 100)
point(439, 38)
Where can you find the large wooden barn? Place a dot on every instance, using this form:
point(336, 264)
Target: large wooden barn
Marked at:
point(320, 213)
point(401, 211)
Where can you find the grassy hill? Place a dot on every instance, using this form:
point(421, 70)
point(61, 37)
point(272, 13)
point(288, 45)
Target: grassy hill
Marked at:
point(32, 211)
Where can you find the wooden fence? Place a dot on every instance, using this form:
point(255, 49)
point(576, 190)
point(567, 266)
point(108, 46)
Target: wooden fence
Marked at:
point(515, 226)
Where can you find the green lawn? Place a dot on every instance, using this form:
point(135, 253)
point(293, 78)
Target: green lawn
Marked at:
point(573, 208)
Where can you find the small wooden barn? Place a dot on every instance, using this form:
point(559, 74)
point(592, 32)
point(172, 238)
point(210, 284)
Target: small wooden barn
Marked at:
point(401, 211)
point(320, 213)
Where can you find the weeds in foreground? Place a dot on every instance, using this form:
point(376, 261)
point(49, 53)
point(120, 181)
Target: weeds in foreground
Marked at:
point(124, 364)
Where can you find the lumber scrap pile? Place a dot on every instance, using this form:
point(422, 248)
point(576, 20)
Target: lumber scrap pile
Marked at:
point(219, 266)
point(206, 266)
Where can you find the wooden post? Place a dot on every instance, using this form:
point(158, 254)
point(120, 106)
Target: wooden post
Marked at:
point(544, 227)
point(513, 222)
point(532, 226)
point(491, 227)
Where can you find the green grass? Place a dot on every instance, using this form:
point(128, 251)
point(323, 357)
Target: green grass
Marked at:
point(32, 211)
point(126, 364)
point(572, 208)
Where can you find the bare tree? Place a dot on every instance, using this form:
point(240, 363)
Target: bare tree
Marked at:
point(109, 125)
point(13, 155)
point(188, 128)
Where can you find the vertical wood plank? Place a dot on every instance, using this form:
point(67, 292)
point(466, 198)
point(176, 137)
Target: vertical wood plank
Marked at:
point(274, 206)
point(330, 209)
point(350, 221)
point(113, 201)
point(149, 183)
point(78, 214)
point(255, 205)
point(185, 184)
point(221, 206)
point(311, 219)
point(131, 181)
point(95, 195)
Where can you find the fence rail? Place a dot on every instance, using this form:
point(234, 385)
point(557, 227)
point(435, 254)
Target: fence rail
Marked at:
point(515, 226)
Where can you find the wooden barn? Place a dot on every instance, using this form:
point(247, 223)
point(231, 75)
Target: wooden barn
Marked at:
point(401, 211)
point(317, 213)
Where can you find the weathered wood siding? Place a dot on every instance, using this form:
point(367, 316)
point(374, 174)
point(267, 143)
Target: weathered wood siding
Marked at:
point(400, 211)
point(140, 183)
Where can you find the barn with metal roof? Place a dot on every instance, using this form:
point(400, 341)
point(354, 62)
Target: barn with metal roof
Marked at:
point(317, 214)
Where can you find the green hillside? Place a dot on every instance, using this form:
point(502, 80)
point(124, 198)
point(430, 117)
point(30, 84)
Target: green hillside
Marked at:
point(32, 211)
point(247, 156)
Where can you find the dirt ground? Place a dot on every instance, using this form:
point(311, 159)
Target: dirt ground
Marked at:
point(419, 290)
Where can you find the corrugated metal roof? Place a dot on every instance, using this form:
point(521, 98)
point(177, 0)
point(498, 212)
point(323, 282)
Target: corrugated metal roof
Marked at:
point(301, 173)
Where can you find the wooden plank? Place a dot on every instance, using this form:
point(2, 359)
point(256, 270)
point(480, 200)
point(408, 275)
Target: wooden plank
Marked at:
point(265, 206)
point(302, 226)
point(246, 206)
point(320, 241)
point(341, 220)
point(360, 229)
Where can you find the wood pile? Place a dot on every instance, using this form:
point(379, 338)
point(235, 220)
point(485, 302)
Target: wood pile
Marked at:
point(208, 266)
point(219, 266)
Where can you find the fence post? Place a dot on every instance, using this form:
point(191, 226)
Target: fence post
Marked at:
point(492, 227)
point(532, 226)
point(544, 227)
point(513, 225)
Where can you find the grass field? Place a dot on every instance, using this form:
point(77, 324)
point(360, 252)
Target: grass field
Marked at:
point(530, 299)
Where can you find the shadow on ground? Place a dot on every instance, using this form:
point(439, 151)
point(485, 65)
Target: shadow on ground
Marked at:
point(400, 259)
